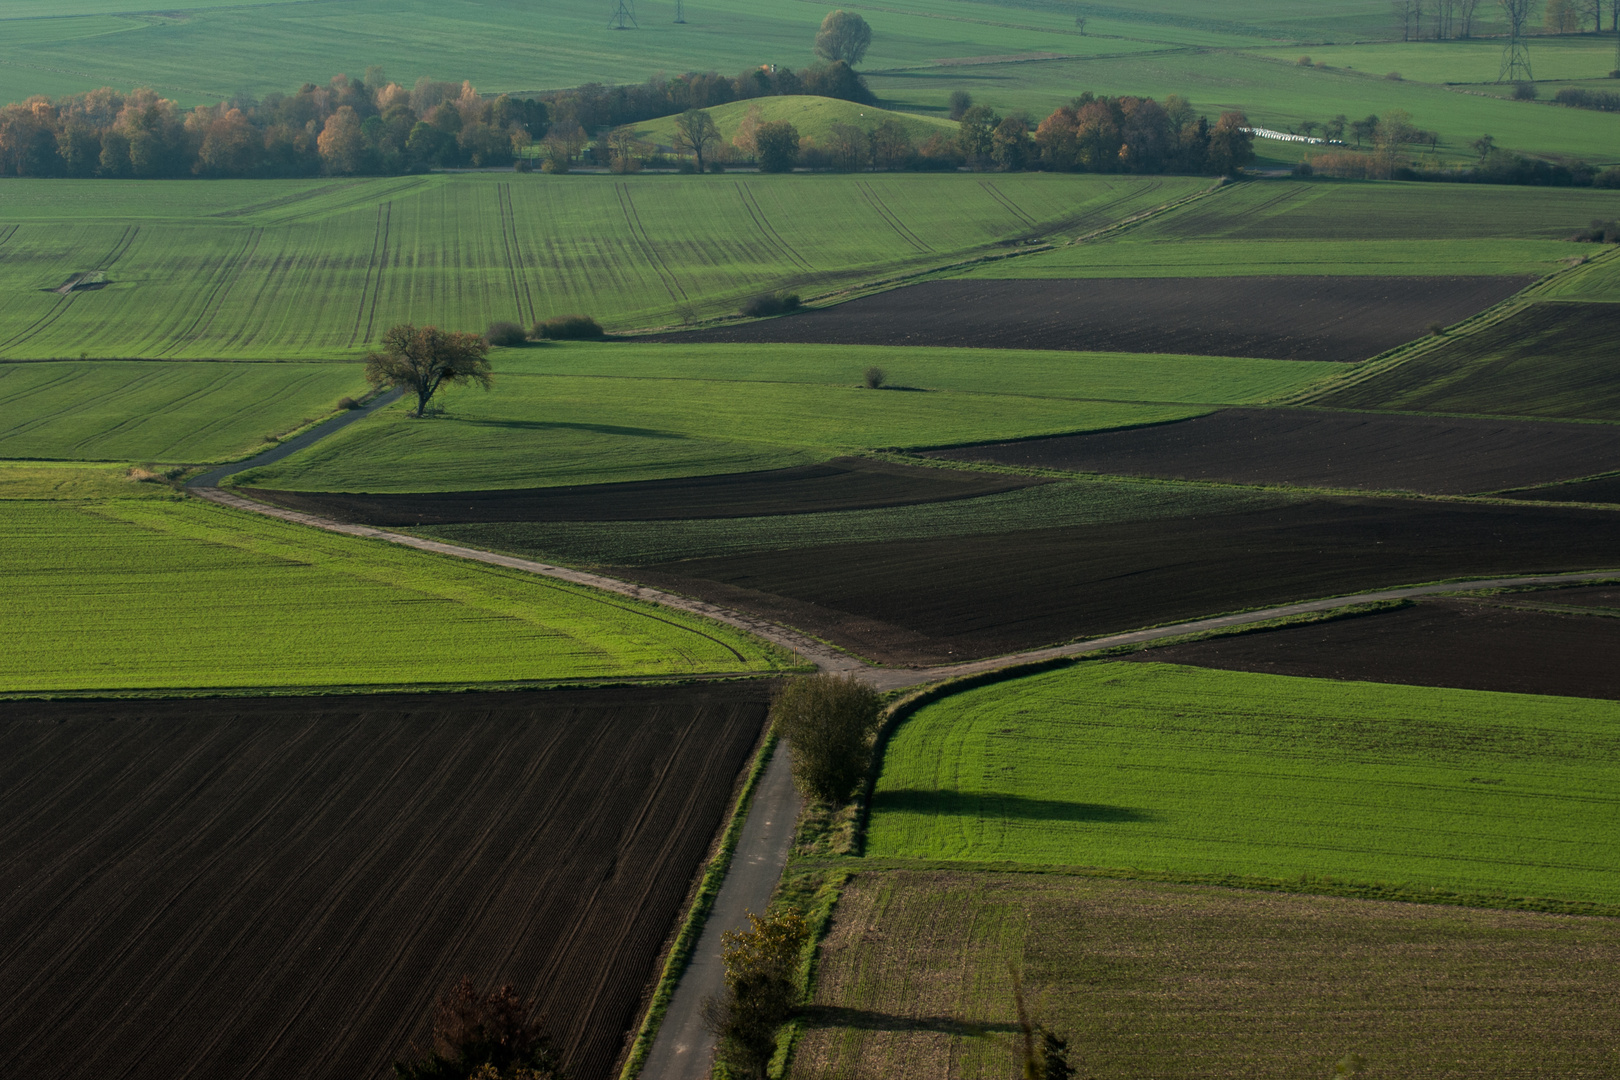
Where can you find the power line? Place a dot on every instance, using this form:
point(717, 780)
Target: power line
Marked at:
point(624, 16)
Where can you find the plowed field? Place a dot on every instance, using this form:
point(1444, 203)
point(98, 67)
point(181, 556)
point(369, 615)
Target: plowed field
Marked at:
point(1604, 490)
point(1471, 646)
point(1280, 318)
point(841, 484)
point(279, 888)
point(1323, 449)
point(929, 601)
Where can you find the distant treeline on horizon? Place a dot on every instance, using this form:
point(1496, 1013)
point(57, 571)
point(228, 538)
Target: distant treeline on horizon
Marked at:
point(354, 126)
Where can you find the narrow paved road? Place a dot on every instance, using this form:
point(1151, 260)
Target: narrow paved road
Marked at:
point(683, 1048)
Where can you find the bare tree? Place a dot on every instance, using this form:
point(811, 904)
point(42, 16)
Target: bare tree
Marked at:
point(423, 360)
point(1465, 17)
point(695, 132)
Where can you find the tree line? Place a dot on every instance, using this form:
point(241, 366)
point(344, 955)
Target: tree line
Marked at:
point(347, 127)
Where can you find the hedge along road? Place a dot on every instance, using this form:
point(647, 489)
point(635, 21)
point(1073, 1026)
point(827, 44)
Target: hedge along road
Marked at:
point(683, 1047)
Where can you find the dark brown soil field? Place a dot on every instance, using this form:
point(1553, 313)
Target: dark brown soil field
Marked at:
point(1282, 318)
point(1604, 490)
point(841, 484)
point(933, 601)
point(1550, 359)
point(1441, 455)
point(280, 888)
point(1473, 646)
point(1596, 596)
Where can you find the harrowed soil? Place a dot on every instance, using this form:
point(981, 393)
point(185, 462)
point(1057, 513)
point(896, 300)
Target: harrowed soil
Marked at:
point(1454, 643)
point(1279, 318)
point(1438, 455)
point(840, 484)
point(959, 598)
point(1605, 489)
point(280, 888)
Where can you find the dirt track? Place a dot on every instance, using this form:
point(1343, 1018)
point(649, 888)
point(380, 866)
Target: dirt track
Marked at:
point(1283, 318)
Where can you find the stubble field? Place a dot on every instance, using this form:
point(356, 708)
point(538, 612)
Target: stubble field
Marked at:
point(262, 888)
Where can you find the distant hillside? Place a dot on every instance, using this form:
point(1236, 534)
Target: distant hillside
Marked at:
point(813, 116)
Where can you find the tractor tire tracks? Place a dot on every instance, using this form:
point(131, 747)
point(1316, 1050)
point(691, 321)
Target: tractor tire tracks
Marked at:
point(644, 241)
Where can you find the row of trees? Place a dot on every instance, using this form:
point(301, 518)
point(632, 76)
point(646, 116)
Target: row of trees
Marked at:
point(349, 126)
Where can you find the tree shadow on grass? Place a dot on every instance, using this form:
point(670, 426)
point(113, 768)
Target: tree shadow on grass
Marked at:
point(596, 429)
point(965, 804)
point(833, 1016)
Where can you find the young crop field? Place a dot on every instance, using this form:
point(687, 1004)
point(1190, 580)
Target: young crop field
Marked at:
point(294, 269)
point(1553, 359)
point(281, 888)
point(589, 417)
point(161, 411)
point(843, 484)
point(1174, 770)
point(1151, 980)
point(1003, 588)
point(1177, 258)
point(1280, 318)
point(150, 594)
point(1311, 448)
point(1042, 506)
point(812, 117)
point(1490, 644)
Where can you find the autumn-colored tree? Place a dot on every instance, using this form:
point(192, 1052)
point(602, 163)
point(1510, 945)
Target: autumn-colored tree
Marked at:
point(479, 1035)
point(1231, 144)
point(421, 361)
point(760, 990)
point(342, 146)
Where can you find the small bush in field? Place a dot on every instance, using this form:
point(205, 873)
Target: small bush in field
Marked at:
point(348, 404)
point(771, 304)
point(569, 328)
point(506, 334)
point(874, 378)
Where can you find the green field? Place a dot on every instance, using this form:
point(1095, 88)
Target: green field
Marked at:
point(1185, 771)
point(813, 117)
point(598, 413)
point(1151, 981)
point(300, 269)
point(151, 593)
point(1550, 359)
point(1583, 56)
point(1046, 506)
point(161, 411)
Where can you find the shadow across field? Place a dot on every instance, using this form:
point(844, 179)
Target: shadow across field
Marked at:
point(835, 1016)
point(967, 804)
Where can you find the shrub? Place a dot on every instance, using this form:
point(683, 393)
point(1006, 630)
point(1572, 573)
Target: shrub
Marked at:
point(759, 307)
point(506, 334)
point(1608, 178)
point(717, 166)
point(760, 990)
point(874, 377)
point(1601, 232)
point(1525, 91)
point(523, 165)
point(961, 102)
point(1303, 168)
point(829, 720)
point(1577, 98)
point(1437, 329)
point(348, 404)
point(568, 328)
point(1393, 76)
point(776, 144)
point(1303, 61)
point(554, 165)
point(476, 1034)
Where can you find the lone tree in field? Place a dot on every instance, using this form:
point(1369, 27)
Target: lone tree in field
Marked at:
point(484, 1034)
point(830, 721)
point(844, 36)
point(695, 132)
point(422, 360)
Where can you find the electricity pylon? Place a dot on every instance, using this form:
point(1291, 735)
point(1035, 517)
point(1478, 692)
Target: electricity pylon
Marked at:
point(624, 17)
point(1516, 53)
point(680, 11)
